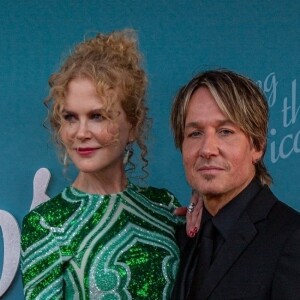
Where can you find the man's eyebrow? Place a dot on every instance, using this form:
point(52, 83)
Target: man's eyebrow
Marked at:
point(194, 124)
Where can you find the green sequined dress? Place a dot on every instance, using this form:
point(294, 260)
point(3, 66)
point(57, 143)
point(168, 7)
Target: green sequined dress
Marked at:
point(85, 246)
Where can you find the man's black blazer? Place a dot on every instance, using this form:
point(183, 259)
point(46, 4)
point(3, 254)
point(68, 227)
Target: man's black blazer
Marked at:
point(260, 260)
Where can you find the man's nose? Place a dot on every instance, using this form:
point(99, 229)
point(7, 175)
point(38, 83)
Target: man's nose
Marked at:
point(209, 146)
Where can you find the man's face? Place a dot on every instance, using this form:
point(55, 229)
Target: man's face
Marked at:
point(218, 157)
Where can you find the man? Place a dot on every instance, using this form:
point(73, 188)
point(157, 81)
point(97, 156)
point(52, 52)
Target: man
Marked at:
point(252, 250)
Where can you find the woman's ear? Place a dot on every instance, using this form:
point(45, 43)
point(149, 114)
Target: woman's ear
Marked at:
point(132, 134)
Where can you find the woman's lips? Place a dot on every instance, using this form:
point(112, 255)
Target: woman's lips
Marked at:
point(86, 151)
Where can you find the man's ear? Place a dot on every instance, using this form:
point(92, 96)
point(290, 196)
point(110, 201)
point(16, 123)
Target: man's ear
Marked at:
point(257, 151)
point(256, 155)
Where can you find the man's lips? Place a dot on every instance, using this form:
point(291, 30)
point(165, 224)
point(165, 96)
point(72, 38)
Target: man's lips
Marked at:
point(210, 168)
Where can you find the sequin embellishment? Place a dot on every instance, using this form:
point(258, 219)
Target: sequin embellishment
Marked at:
point(82, 246)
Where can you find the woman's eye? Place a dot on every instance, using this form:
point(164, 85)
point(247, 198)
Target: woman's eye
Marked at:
point(69, 118)
point(97, 117)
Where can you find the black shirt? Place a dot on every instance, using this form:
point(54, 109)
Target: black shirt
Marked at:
point(225, 219)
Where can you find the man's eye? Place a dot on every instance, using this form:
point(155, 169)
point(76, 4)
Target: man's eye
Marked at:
point(225, 132)
point(194, 134)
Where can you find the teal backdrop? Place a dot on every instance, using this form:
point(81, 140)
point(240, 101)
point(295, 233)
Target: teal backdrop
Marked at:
point(260, 39)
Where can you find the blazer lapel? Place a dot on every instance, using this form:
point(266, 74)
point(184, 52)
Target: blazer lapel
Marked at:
point(229, 253)
point(239, 240)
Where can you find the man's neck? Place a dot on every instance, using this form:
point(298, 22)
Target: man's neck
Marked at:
point(214, 202)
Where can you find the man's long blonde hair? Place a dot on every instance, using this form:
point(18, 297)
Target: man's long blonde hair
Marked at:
point(239, 98)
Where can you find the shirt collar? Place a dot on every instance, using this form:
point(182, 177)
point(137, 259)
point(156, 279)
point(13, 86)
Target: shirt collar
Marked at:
point(230, 213)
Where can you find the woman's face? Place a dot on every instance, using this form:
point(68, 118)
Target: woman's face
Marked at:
point(94, 143)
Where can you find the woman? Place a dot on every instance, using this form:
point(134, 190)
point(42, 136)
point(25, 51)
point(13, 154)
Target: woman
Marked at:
point(103, 237)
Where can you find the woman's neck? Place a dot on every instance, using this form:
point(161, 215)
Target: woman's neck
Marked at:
point(96, 184)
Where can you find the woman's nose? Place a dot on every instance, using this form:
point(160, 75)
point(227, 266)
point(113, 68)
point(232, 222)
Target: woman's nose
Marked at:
point(83, 131)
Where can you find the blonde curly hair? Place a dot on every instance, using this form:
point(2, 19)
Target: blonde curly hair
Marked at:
point(114, 64)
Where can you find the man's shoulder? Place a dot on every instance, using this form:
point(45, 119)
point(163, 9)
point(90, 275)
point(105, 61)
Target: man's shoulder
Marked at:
point(288, 214)
point(267, 203)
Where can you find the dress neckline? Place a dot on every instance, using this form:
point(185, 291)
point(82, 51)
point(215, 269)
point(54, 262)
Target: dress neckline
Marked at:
point(77, 192)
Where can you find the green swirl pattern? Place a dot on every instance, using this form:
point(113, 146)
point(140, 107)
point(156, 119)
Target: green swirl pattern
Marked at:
point(85, 246)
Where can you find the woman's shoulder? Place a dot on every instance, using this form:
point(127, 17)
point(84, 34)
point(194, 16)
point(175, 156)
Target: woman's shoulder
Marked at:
point(159, 195)
point(51, 209)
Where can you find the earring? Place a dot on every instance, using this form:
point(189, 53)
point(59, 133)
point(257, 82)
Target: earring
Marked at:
point(65, 159)
point(127, 153)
